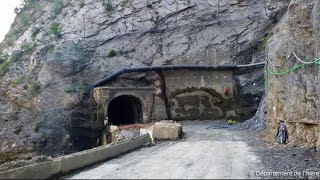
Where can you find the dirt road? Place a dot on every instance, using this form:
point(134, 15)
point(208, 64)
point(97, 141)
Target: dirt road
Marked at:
point(207, 150)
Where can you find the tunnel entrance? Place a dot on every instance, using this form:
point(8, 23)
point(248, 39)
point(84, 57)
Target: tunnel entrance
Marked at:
point(125, 110)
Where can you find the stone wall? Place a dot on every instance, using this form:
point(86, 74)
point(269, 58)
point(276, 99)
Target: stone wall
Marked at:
point(178, 95)
point(199, 94)
point(104, 95)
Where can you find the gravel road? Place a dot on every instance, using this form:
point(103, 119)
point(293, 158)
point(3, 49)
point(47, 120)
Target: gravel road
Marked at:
point(207, 150)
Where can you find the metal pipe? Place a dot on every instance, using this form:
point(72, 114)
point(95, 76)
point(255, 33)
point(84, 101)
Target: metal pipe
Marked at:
point(170, 67)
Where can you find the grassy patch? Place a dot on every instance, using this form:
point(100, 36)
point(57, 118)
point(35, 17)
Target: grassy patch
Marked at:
point(34, 87)
point(5, 64)
point(37, 125)
point(112, 53)
point(16, 82)
point(124, 2)
point(265, 41)
point(81, 3)
point(25, 4)
point(25, 19)
point(4, 67)
point(28, 47)
point(35, 31)
point(16, 56)
point(78, 88)
point(107, 5)
point(55, 29)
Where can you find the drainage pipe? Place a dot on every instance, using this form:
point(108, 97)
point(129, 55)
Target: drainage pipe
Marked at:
point(171, 67)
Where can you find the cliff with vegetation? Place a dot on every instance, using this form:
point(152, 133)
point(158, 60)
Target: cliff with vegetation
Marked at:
point(56, 49)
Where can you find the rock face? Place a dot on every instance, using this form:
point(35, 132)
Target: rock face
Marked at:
point(294, 96)
point(56, 49)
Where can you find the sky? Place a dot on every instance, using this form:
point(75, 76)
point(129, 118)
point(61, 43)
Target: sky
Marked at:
point(7, 15)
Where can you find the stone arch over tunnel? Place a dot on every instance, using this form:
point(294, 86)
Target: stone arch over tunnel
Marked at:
point(125, 109)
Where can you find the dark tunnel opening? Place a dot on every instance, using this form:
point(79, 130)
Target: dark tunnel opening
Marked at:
point(125, 110)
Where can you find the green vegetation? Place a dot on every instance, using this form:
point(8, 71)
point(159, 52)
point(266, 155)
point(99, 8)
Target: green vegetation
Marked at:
point(25, 19)
point(34, 87)
point(37, 126)
point(16, 56)
point(5, 63)
point(14, 116)
point(55, 29)
point(24, 5)
point(3, 58)
point(4, 67)
point(81, 3)
point(107, 5)
point(28, 47)
point(112, 53)
point(230, 121)
point(149, 4)
point(35, 31)
point(17, 129)
point(265, 41)
point(18, 81)
point(124, 2)
point(78, 88)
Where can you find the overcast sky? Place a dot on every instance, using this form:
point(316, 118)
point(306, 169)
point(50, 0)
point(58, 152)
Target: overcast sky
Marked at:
point(7, 15)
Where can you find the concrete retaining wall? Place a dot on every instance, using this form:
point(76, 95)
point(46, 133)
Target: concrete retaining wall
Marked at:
point(74, 161)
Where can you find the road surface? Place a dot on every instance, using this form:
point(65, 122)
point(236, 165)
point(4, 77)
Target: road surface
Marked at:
point(206, 151)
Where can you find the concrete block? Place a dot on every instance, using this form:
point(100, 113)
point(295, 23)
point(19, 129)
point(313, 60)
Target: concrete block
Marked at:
point(42, 170)
point(74, 161)
point(85, 158)
point(167, 130)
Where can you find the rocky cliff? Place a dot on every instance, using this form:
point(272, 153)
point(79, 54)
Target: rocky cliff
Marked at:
point(293, 87)
point(56, 49)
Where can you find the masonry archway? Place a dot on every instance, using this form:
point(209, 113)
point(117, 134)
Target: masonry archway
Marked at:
point(125, 109)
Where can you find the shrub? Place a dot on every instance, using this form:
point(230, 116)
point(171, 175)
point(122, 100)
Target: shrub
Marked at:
point(16, 56)
point(34, 87)
point(35, 31)
point(55, 29)
point(112, 53)
point(78, 88)
point(3, 58)
point(18, 81)
point(25, 19)
point(27, 47)
point(149, 4)
point(107, 5)
point(124, 2)
point(25, 4)
point(81, 3)
point(265, 41)
point(4, 67)
point(37, 125)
